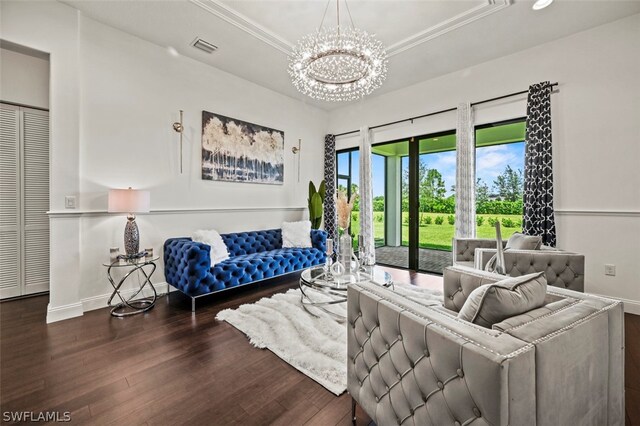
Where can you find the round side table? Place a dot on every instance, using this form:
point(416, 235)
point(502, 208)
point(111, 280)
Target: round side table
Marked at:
point(131, 305)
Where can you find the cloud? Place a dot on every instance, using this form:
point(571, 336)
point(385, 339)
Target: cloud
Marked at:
point(492, 160)
point(445, 163)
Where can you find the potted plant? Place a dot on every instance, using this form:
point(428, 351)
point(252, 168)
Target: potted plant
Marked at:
point(316, 203)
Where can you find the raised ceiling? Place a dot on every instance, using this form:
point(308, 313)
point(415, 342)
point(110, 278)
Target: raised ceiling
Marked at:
point(424, 39)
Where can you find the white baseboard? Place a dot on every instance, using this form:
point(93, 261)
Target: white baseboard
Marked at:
point(630, 306)
point(59, 313)
point(100, 301)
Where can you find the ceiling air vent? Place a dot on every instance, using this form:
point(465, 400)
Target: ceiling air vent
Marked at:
point(205, 46)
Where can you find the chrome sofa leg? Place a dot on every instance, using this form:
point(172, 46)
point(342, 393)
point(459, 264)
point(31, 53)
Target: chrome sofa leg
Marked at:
point(193, 304)
point(353, 411)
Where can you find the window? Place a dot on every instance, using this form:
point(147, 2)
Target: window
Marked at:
point(499, 177)
point(499, 171)
point(348, 179)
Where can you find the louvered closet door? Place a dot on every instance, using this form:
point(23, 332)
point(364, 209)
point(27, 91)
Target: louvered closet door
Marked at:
point(35, 177)
point(24, 201)
point(10, 216)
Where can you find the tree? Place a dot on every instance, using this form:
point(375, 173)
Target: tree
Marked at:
point(482, 191)
point(378, 203)
point(509, 185)
point(355, 191)
point(430, 187)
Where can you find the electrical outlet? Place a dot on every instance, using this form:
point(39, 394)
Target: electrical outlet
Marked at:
point(70, 202)
point(610, 270)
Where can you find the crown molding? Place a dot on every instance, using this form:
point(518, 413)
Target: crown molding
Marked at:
point(251, 27)
point(244, 23)
point(455, 22)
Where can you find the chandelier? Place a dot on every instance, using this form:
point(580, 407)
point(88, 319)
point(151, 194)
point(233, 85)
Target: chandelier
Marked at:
point(338, 64)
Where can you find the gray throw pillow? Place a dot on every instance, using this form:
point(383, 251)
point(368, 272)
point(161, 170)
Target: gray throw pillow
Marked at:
point(520, 241)
point(492, 303)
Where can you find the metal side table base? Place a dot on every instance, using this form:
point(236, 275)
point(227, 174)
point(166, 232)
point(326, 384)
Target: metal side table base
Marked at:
point(132, 306)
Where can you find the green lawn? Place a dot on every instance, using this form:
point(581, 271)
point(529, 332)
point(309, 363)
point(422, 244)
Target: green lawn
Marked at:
point(436, 236)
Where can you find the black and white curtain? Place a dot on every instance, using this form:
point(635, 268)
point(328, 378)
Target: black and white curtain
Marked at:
point(330, 222)
point(538, 216)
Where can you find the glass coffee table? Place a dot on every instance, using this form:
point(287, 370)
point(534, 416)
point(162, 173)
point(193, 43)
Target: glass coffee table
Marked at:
point(320, 291)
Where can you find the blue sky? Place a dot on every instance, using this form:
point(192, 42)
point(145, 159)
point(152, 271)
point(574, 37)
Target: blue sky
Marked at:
point(377, 171)
point(490, 162)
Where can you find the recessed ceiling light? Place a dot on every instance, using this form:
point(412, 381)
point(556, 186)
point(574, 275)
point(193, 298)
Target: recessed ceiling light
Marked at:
point(541, 4)
point(172, 51)
point(435, 139)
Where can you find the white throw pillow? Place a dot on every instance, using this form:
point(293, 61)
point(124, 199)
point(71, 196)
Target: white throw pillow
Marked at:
point(219, 251)
point(296, 234)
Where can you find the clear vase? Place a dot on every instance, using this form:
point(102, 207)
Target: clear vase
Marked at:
point(346, 257)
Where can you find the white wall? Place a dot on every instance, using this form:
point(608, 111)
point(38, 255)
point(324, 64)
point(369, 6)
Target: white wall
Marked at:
point(24, 78)
point(595, 130)
point(129, 92)
point(53, 28)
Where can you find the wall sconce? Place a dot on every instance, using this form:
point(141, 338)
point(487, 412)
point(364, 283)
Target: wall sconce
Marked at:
point(178, 127)
point(296, 150)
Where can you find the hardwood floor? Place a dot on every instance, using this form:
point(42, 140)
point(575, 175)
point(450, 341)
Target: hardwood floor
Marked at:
point(170, 366)
point(632, 368)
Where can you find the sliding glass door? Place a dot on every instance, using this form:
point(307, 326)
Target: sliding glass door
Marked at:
point(436, 176)
point(390, 203)
point(412, 175)
point(414, 192)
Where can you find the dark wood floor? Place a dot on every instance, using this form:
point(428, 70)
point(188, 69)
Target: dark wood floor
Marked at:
point(170, 366)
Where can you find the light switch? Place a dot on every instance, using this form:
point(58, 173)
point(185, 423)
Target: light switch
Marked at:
point(610, 270)
point(70, 202)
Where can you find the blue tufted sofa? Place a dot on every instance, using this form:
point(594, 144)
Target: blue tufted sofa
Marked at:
point(254, 256)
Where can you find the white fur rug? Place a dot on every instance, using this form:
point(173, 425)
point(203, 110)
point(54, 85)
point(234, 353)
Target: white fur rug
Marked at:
point(316, 345)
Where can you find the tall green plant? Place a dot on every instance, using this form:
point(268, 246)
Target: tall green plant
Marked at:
point(316, 203)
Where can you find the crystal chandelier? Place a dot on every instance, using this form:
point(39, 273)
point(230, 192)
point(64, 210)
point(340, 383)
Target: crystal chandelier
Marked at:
point(337, 64)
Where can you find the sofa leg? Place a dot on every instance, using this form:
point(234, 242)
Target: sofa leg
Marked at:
point(193, 304)
point(353, 411)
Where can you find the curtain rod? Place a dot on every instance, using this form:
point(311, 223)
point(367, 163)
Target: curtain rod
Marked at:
point(439, 112)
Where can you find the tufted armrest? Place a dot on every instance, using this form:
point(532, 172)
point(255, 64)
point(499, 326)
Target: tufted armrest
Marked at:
point(186, 263)
point(464, 248)
point(460, 281)
point(416, 365)
point(319, 240)
point(562, 268)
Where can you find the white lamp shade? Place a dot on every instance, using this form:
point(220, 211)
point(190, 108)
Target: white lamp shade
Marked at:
point(128, 201)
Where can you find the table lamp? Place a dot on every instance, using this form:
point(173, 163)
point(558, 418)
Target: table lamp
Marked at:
point(129, 201)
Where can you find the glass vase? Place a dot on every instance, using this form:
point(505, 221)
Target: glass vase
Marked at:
point(346, 256)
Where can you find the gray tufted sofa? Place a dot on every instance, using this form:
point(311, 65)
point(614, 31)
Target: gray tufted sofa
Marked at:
point(415, 363)
point(562, 268)
point(464, 249)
